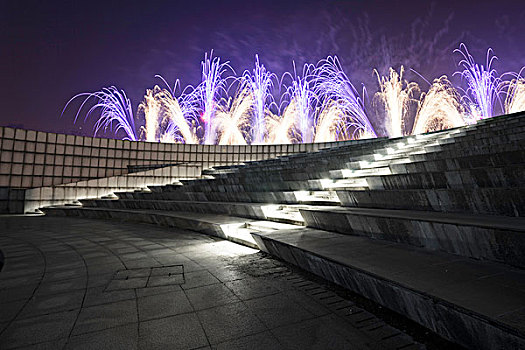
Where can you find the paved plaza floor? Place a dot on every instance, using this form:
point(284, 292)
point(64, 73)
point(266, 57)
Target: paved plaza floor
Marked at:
point(72, 283)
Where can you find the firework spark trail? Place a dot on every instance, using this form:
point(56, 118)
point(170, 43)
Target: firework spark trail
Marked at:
point(330, 124)
point(515, 101)
point(261, 84)
point(396, 96)
point(483, 85)
point(280, 127)
point(116, 111)
point(233, 118)
point(152, 114)
point(440, 108)
point(333, 84)
point(171, 134)
point(180, 114)
point(302, 94)
point(210, 89)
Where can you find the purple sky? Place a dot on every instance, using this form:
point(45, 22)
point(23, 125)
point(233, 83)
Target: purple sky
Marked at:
point(52, 50)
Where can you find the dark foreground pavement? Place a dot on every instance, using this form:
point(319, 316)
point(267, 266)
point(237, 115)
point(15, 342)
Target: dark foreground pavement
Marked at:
point(89, 284)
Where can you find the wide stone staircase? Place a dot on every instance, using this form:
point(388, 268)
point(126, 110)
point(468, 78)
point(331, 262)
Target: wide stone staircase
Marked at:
point(430, 226)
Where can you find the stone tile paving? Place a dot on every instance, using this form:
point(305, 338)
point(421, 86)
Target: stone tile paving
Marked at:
point(72, 283)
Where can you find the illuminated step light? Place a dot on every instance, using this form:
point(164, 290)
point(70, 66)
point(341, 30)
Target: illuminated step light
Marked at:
point(361, 182)
point(238, 232)
point(281, 211)
point(316, 196)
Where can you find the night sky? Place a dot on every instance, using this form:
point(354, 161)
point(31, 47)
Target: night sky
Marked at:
point(52, 50)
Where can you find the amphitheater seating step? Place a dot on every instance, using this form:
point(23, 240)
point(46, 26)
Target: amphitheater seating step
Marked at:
point(495, 238)
point(506, 201)
point(228, 227)
point(478, 304)
point(262, 211)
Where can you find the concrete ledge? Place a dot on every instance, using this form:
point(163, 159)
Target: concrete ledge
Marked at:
point(459, 299)
point(466, 162)
point(487, 201)
point(287, 197)
point(493, 238)
point(61, 194)
point(245, 210)
point(273, 212)
point(509, 176)
point(233, 228)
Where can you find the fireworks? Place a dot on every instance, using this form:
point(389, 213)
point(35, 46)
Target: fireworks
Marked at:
point(330, 124)
point(440, 108)
point(152, 109)
point(232, 119)
point(515, 101)
point(260, 83)
point(115, 111)
point(318, 105)
point(211, 88)
point(280, 128)
point(396, 97)
point(302, 95)
point(180, 114)
point(339, 93)
point(484, 85)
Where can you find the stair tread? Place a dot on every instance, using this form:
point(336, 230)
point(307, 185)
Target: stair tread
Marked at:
point(491, 221)
point(489, 289)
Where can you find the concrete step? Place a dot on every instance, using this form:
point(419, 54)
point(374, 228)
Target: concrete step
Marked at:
point(281, 197)
point(503, 119)
point(227, 227)
point(320, 169)
point(451, 141)
point(384, 146)
point(497, 139)
point(348, 173)
point(164, 188)
point(109, 196)
point(505, 201)
point(450, 138)
point(222, 169)
point(321, 197)
point(377, 164)
point(155, 188)
point(261, 185)
point(284, 213)
point(509, 176)
point(357, 183)
point(468, 149)
point(124, 194)
point(370, 152)
point(493, 238)
point(489, 126)
point(257, 185)
point(326, 161)
point(313, 172)
point(485, 126)
point(317, 197)
point(494, 159)
point(476, 304)
point(154, 191)
point(272, 212)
